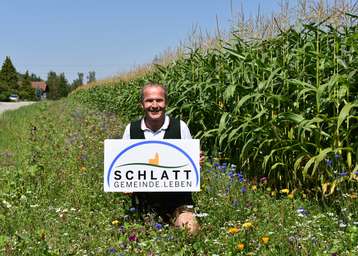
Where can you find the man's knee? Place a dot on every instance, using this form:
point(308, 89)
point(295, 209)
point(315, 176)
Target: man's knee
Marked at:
point(188, 221)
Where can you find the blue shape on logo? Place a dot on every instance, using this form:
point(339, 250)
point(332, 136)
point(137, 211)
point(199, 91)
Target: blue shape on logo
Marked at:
point(153, 142)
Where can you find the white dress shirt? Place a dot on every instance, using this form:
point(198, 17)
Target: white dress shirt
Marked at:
point(158, 135)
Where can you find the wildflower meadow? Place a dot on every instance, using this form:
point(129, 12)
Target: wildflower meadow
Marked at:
point(277, 119)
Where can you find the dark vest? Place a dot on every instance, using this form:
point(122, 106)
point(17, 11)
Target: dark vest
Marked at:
point(160, 202)
point(173, 131)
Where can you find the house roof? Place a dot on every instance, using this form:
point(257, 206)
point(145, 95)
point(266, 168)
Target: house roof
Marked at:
point(40, 84)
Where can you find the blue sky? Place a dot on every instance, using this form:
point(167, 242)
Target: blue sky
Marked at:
point(108, 36)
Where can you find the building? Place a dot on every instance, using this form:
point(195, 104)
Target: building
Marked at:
point(42, 88)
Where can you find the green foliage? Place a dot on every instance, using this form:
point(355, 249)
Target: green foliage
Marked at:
point(57, 85)
point(77, 82)
point(91, 77)
point(283, 108)
point(25, 90)
point(8, 77)
point(4, 95)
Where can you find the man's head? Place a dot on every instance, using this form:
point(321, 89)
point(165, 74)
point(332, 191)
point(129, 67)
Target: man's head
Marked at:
point(154, 102)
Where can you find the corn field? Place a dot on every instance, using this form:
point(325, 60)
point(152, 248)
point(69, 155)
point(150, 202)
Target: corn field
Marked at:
point(285, 108)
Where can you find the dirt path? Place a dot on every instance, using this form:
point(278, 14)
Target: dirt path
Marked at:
point(13, 105)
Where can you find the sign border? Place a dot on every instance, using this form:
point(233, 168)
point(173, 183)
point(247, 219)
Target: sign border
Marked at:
point(151, 142)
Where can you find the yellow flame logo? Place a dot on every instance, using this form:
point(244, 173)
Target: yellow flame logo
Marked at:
point(154, 160)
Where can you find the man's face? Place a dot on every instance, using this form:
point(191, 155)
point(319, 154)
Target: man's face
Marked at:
point(154, 103)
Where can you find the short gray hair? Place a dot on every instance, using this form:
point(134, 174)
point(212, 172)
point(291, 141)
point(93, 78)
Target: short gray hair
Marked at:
point(154, 85)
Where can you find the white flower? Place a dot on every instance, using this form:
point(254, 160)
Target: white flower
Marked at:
point(7, 204)
point(342, 225)
point(204, 214)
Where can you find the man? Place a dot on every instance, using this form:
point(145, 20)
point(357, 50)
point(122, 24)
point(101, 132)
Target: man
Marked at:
point(177, 206)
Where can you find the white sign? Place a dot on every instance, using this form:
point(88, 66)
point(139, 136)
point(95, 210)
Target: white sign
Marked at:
point(151, 165)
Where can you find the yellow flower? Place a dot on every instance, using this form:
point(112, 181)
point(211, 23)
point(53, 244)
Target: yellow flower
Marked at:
point(254, 187)
point(265, 239)
point(247, 225)
point(233, 230)
point(354, 196)
point(83, 169)
point(115, 222)
point(273, 193)
point(240, 246)
point(290, 196)
point(285, 191)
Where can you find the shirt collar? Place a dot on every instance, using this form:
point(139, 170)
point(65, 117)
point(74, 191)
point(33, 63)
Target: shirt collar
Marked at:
point(164, 126)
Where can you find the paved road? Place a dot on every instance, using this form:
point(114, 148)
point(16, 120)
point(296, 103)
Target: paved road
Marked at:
point(13, 105)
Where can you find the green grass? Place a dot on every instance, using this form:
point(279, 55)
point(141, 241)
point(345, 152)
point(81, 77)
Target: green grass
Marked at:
point(52, 200)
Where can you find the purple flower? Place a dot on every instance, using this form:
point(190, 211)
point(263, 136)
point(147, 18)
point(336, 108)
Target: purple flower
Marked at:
point(302, 212)
point(158, 226)
point(240, 176)
point(133, 238)
point(112, 250)
point(243, 189)
point(231, 174)
point(342, 174)
point(222, 168)
point(329, 162)
point(132, 209)
point(337, 156)
point(356, 173)
point(216, 164)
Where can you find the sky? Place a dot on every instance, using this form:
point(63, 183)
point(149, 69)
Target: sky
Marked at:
point(108, 36)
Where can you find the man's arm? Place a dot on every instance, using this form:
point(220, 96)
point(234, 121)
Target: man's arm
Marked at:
point(127, 133)
point(184, 131)
point(185, 134)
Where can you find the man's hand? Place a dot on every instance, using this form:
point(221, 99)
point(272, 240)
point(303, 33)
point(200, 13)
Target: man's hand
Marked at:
point(202, 158)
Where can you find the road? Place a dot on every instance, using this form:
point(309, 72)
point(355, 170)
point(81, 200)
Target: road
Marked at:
point(13, 105)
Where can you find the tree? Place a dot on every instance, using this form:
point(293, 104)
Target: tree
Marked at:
point(91, 77)
point(25, 90)
point(35, 78)
point(57, 85)
point(8, 78)
point(63, 85)
point(52, 84)
point(78, 81)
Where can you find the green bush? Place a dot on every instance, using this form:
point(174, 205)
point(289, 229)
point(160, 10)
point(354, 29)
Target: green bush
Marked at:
point(4, 96)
